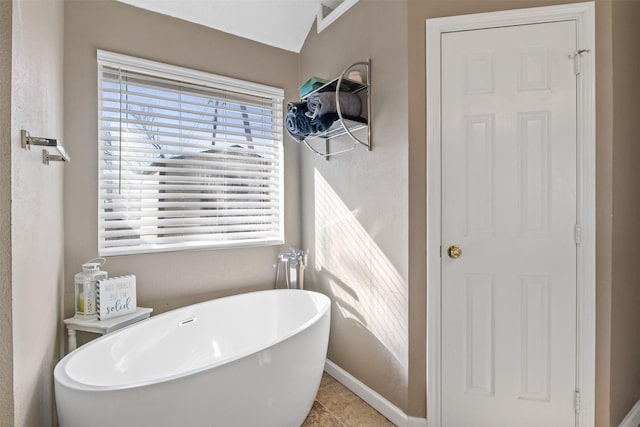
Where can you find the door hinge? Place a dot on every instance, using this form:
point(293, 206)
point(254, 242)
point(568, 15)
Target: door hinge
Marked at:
point(577, 401)
point(577, 233)
point(577, 59)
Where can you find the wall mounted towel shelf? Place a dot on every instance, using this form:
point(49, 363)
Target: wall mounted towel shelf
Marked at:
point(345, 126)
point(28, 141)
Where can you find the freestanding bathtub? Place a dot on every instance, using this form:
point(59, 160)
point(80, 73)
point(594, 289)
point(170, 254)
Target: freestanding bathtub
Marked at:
point(248, 360)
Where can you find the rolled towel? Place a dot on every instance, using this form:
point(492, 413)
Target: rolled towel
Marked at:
point(298, 124)
point(293, 107)
point(323, 123)
point(323, 103)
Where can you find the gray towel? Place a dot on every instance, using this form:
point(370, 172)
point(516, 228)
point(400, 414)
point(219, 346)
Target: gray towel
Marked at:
point(323, 103)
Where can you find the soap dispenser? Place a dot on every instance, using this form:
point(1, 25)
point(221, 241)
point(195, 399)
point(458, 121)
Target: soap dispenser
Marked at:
point(85, 288)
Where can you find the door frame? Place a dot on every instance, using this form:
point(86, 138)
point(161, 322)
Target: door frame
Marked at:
point(584, 16)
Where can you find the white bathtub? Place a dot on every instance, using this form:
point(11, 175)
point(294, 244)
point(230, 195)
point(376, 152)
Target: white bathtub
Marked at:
point(247, 360)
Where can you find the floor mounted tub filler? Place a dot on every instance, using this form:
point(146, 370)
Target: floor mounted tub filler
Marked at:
point(253, 359)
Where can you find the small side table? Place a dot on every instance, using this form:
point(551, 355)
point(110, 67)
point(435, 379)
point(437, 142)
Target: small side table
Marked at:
point(102, 326)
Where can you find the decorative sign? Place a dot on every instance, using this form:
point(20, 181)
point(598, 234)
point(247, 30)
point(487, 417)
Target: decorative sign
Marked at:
point(116, 296)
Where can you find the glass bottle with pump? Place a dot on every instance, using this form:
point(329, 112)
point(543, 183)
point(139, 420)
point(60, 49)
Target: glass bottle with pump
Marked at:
point(85, 288)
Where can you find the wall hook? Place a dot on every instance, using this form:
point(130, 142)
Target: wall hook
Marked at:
point(28, 141)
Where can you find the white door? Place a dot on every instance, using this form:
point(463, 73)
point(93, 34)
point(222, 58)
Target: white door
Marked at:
point(509, 203)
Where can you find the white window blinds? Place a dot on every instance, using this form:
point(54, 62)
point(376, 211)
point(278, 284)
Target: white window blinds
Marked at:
point(187, 159)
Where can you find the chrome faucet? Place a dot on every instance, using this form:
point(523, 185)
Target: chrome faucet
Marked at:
point(294, 261)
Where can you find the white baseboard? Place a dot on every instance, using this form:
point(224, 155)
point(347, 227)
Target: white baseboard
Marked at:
point(633, 417)
point(375, 400)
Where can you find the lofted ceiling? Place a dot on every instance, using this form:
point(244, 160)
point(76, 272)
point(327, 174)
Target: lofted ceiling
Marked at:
point(281, 23)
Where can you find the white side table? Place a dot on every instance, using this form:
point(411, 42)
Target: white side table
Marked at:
point(102, 326)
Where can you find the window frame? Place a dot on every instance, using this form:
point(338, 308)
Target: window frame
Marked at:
point(207, 80)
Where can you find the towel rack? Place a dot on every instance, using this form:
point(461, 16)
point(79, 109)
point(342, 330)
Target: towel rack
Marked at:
point(342, 125)
point(28, 141)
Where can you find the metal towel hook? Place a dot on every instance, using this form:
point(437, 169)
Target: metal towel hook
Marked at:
point(28, 141)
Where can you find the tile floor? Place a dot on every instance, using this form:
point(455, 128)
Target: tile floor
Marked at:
point(337, 406)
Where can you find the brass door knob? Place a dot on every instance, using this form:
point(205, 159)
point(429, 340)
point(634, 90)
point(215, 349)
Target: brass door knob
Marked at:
point(454, 252)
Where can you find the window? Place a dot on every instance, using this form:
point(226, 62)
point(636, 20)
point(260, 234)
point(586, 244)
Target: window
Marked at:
point(330, 11)
point(187, 160)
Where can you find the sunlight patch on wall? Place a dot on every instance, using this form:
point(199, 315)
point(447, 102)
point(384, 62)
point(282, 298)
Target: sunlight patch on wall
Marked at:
point(366, 286)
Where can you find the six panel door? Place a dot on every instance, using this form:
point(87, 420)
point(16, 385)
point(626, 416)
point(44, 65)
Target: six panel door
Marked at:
point(509, 203)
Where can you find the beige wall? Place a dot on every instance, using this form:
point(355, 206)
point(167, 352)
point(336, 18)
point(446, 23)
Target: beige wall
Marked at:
point(354, 206)
point(604, 208)
point(625, 292)
point(36, 209)
point(6, 332)
point(165, 280)
point(370, 27)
